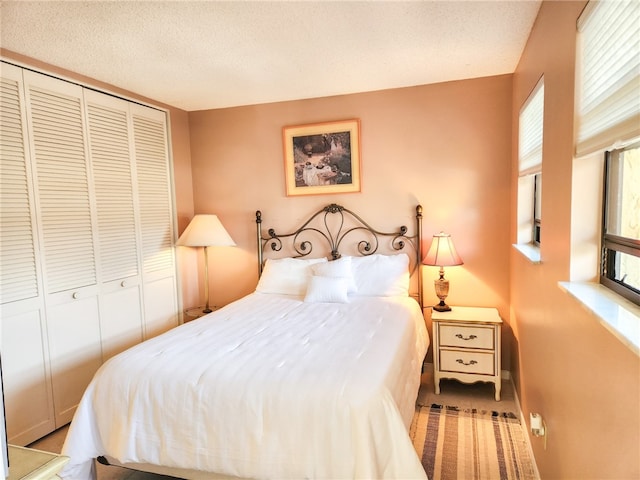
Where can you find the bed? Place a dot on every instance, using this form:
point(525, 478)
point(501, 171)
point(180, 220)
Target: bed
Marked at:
point(313, 375)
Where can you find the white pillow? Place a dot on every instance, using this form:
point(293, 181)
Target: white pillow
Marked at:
point(287, 276)
point(381, 275)
point(340, 268)
point(327, 290)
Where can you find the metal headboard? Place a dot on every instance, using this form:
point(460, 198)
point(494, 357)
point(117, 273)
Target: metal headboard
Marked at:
point(330, 226)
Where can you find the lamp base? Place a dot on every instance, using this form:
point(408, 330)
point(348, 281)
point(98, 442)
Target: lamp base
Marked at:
point(442, 290)
point(442, 307)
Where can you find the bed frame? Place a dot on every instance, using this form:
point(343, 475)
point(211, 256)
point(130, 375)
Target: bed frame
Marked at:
point(322, 234)
point(327, 229)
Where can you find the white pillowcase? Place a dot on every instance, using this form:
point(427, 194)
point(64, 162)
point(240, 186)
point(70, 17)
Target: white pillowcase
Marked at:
point(327, 290)
point(287, 276)
point(381, 275)
point(340, 268)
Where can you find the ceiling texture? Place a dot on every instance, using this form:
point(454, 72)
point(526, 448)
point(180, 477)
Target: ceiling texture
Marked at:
point(198, 55)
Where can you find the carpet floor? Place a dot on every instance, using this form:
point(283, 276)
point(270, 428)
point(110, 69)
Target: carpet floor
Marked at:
point(471, 444)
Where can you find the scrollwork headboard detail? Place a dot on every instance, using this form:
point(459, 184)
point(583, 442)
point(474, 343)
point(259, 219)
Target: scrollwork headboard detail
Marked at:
point(331, 226)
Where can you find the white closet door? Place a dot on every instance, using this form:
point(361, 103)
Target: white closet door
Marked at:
point(120, 278)
point(156, 219)
point(26, 373)
point(87, 263)
point(64, 208)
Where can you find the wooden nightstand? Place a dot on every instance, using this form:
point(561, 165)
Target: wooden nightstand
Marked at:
point(27, 463)
point(466, 346)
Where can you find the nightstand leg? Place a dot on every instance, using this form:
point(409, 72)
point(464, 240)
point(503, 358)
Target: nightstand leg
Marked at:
point(436, 381)
point(498, 388)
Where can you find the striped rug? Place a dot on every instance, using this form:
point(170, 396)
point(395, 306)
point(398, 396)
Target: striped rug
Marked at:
point(470, 444)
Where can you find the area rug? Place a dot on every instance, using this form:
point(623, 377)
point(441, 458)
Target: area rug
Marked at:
point(470, 444)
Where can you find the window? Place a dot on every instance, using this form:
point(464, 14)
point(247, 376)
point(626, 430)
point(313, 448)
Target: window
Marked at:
point(608, 120)
point(620, 268)
point(530, 167)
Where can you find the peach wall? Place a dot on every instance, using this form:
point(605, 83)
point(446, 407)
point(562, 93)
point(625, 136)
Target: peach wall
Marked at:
point(181, 155)
point(446, 146)
point(568, 368)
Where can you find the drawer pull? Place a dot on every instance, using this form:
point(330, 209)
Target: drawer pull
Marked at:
point(472, 362)
point(75, 295)
point(462, 337)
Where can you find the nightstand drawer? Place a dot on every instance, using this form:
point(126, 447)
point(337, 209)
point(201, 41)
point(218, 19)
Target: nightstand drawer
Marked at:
point(467, 362)
point(467, 337)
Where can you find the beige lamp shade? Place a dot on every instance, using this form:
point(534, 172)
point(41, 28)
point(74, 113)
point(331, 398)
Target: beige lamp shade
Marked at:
point(442, 253)
point(205, 231)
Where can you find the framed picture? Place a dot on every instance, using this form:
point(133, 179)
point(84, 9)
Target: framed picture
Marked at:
point(322, 158)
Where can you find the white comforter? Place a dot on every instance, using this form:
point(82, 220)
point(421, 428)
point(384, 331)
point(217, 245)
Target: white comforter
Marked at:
point(269, 387)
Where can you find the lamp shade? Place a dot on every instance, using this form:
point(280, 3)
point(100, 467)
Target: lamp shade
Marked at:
point(442, 253)
point(205, 231)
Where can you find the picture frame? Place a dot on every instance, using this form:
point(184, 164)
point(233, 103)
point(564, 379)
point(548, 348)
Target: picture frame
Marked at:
point(322, 158)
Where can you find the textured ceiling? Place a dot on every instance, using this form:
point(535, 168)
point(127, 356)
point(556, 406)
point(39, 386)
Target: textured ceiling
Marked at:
point(198, 55)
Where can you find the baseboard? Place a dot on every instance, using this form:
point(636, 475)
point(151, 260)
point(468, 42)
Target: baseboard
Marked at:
point(525, 425)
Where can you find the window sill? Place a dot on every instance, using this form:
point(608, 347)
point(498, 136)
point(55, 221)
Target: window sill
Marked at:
point(617, 314)
point(530, 252)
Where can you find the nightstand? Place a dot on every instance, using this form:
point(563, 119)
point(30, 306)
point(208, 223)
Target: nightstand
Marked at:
point(27, 463)
point(195, 312)
point(466, 346)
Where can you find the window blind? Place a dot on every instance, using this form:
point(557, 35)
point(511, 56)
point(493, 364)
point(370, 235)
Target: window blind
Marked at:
point(608, 75)
point(530, 132)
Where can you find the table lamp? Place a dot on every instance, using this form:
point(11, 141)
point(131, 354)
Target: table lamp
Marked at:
point(442, 254)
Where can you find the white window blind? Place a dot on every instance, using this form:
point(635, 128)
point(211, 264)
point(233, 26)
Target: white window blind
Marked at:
point(608, 75)
point(530, 132)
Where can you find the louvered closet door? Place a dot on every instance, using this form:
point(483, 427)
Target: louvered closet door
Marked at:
point(26, 374)
point(18, 273)
point(156, 219)
point(120, 277)
point(64, 208)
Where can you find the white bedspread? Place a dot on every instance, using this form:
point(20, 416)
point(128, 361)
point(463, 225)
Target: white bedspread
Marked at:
point(268, 387)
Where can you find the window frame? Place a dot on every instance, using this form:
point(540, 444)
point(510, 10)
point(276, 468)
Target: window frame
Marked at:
point(536, 229)
point(612, 243)
point(530, 159)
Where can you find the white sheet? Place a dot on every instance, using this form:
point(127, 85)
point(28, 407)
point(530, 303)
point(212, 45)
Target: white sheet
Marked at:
point(297, 390)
